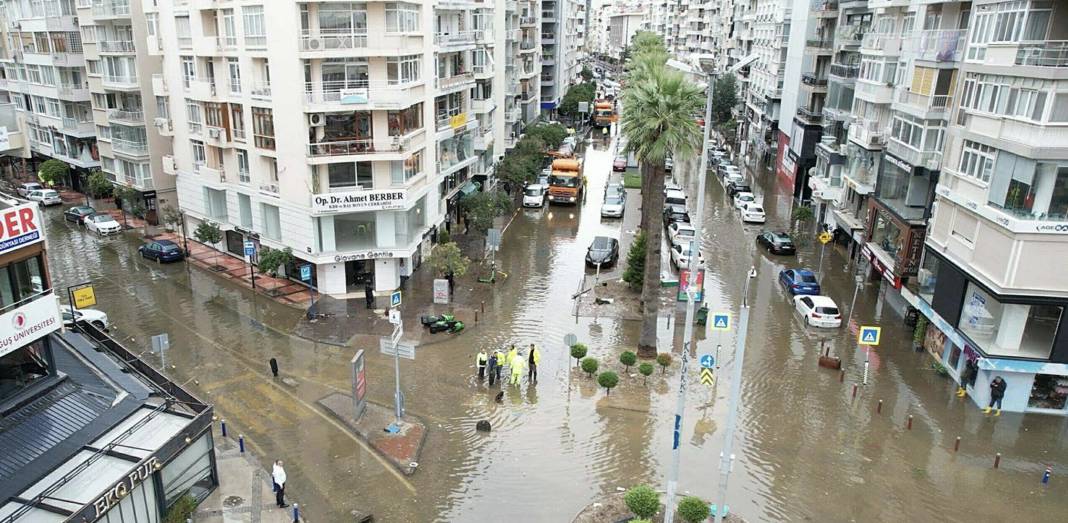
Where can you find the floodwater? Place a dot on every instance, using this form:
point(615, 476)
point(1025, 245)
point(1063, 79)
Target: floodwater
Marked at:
point(805, 449)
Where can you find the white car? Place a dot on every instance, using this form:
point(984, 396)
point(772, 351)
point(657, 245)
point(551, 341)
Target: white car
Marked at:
point(680, 256)
point(24, 189)
point(753, 213)
point(45, 197)
point(534, 195)
point(680, 233)
point(742, 199)
point(818, 311)
point(670, 185)
point(96, 318)
point(613, 206)
point(103, 224)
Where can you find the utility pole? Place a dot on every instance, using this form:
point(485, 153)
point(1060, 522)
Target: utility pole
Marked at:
point(735, 399)
point(695, 255)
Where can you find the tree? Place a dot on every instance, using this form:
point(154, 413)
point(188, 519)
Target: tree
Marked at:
point(99, 185)
point(658, 121)
point(693, 510)
point(52, 172)
point(129, 200)
point(635, 271)
point(586, 73)
point(578, 351)
point(628, 358)
point(550, 134)
point(646, 369)
point(271, 259)
point(482, 207)
point(724, 99)
point(664, 360)
point(446, 259)
point(589, 366)
point(608, 380)
point(207, 232)
point(643, 501)
point(171, 216)
point(569, 104)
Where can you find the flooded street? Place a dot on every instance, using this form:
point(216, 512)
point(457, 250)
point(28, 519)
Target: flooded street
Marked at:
point(806, 450)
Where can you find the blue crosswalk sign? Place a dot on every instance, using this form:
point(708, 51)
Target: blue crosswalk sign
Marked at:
point(721, 322)
point(869, 335)
point(305, 273)
point(395, 299)
point(708, 361)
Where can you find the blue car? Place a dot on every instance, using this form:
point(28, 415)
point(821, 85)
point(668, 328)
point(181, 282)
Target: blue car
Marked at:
point(161, 251)
point(799, 281)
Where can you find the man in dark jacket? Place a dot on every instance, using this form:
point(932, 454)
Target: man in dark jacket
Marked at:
point(997, 392)
point(369, 295)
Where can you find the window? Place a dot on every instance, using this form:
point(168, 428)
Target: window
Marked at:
point(1008, 22)
point(1060, 108)
point(272, 226)
point(229, 27)
point(23, 367)
point(213, 114)
point(342, 19)
point(983, 316)
point(244, 210)
point(977, 160)
point(163, 109)
point(189, 71)
point(193, 113)
point(199, 155)
point(183, 30)
point(404, 170)
point(255, 29)
point(237, 122)
point(103, 132)
point(234, 69)
point(242, 167)
point(189, 473)
point(21, 280)
point(406, 120)
point(403, 69)
point(350, 176)
point(263, 127)
point(402, 17)
point(152, 23)
point(33, 74)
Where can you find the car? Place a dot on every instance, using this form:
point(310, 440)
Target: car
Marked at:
point(102, 223)
point(162, 251)
point(776, 242)
point(734, 188)
point(671, 185)
point(24, 189)
point(615, 189)
point(725, 168)
point(571, 141)
point(613, 206)
point(799, 282)
point(78, 213)
point(669, 164)
point(680, 256)
point(96, 318)
point(675, 198)
point(818, 311)
point(742, 199)
point(543, 179)
point(753, 213)
point(619, 164)
point(45, 197)
point(675, 213)
point(680, 232)
point(534, 195)
point(734, 177)
point(603, 251)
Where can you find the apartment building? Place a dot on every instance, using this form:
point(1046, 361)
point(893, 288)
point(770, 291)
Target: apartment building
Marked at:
point(763, 32)
point(131, 110)
point(345, 131)
point(622, 27)
point(44, 77)
point(563, 35)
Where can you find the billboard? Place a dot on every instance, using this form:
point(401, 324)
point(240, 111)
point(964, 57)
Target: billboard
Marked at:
point(20, 226)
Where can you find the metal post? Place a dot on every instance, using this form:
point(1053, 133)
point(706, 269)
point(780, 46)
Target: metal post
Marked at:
point(867, 353)
point(252, 272)
point(735, 400)
point(856, 289)
point(397, 333)
point(823, 247)
point(688, 336)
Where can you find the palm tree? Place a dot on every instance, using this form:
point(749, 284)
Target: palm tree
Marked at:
point(658, 120)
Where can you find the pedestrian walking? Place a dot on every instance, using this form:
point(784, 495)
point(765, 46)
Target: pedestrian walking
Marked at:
point(493, 368)
point(517, 370)
point(369, 295)
point(480, 361)
point(278, 475)
point(533, 360)
point(967, 378)
point(997, 392)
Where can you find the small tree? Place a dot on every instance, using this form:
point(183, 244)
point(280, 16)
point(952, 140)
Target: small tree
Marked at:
point(171, 217)
point(271, 259)
point(52, 172)
point(724, 99)
point(628, 358)
point(208, 233)
point(99, 186)
point(693, 509)
point(444, 237)
point(647, 370)
point(664, 359)
point(482, 207)
point(551, 134)
point(643, 501)
point(578, 351)
point(589, 366)
point(635, 270)
point(447, 259)
point(608, 380)
point(586, 73)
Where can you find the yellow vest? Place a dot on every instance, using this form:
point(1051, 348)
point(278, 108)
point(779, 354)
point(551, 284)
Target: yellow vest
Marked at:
point(480, 359)
point(537, 356)
point(512, 355)
point(500, 359)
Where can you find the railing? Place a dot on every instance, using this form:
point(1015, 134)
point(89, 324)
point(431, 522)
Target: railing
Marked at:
point(352, 147)
point(824, 5)
point(460, 37)
point(527, 20)
point(866, 131)
point(115, 46)
point(844, 70)
point(454, 80)
point(120, 79)
point(317, 41)
point(226, 42)
point(881, 42)
point(482, 69)
point(334, 91)
point(126, 146)
point(185, 42)
point(527, 45)
point(850, 34)
point(445, 119)
point(1043, 54)
point(810, 114)
point(926, 159)
point(940, 45)
point(129, 116)
point(261, 90)
point(937, 102)
point(112, 8)
point(814, 80)
point(820, 44)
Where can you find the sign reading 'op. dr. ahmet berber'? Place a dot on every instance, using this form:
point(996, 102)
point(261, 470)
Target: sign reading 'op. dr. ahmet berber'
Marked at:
point(381, 200)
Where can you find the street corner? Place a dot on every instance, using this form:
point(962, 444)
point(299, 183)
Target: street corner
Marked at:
point(400, 443)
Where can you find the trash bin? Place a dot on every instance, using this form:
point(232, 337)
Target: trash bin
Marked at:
point(702, 315)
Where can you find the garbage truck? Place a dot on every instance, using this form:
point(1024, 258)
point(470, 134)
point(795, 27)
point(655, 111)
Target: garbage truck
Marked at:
point(565, 182)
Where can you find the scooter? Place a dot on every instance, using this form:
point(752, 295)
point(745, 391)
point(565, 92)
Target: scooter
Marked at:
point(428, 320)
point(451, 325)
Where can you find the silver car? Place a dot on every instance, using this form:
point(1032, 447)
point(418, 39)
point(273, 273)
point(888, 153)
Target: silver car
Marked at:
point(613, 206)
point(45, 197)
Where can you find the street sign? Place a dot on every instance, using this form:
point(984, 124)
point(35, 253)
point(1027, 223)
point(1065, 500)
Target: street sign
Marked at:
point(570, 339)
point(441, 291)
point(305, 273)
point(395, 299)
point(707, 378)
point(404, 350)
point(825, 237)
point(359, 385)
point(721, 322)
point(708, 361)
point(493, 239)
point(84, 296)
point(869, 335)
point(395, 316)
point(250, 249)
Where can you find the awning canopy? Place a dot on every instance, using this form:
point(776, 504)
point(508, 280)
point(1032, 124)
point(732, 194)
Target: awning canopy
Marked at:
point(1024, 366)
point(468, 188)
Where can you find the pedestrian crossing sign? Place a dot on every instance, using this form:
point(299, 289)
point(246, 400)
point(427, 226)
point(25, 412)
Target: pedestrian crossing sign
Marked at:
point(869, 335)
point(721, 322)
point(707, 378)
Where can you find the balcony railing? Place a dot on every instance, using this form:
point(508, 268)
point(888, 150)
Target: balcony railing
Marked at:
point(527, 45)
point(120, 80)
point(820, 44)
point(482, 69)
point(927, 159)
point(391, 144)
point(824, 5)
point(882, 42)
point(455, 38)
point(452, 119)
point(336, 91)
point(811, 115)
point(127, 116)
point(454, 80)
point(129, 147)
point(260, 90)
point(940, 45)
point(111, 8)
point(318, 41)
point(937, 102)
point(1043, 54)
point(844, 70)
point(814, 80)
point(115, 46)
point(527, 20)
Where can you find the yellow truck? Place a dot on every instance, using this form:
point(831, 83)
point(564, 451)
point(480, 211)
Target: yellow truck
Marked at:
point(604, 113)
point(566, 182)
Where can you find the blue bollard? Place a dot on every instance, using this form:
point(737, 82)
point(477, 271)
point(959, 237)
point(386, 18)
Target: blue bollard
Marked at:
point(222, 425)
point(241, 443)
point(296, 513)
point(1045, 477)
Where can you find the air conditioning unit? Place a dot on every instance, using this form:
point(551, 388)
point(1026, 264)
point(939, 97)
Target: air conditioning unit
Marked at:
point(314, 44)
point(316, 120)
point(215, 132)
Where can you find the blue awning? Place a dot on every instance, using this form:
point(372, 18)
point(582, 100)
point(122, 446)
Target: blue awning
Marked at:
point(469, 188)
point(1023, 366)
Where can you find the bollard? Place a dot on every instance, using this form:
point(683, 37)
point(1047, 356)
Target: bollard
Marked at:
point(222, 425)
point(910, 422)
point(296, 513)
point(854, 390)
point(476, 316)
point(483, 306)
point(841, 376)
point(1045, 477)
point(997, 460)
point(956, 445)
point(274, 367)
point(879, 408)
point(241, 443)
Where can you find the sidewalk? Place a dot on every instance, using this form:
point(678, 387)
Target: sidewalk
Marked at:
point(244, 492)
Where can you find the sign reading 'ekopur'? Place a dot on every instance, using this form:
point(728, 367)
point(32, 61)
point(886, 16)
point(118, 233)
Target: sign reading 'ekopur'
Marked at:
point(374, 200)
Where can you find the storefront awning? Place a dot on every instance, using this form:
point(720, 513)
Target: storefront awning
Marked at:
point(468, 188)
point(847, 221)
point(1023, 366)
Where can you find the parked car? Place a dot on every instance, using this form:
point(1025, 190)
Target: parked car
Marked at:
point(45, 197)
point(680, 232)
point(726, 168)
point(613, 206)
point(669, 164)
point(103, 224)
point(671, 185)
point(776, 242)
point(675, 198)
point(24, 189)
point(78, 213)
point(734, 188)
point(734, 177)
point(534, 195)
point(615, 189)
point(675, 213)
point(753, 213)
point(619, 164)
point(604, 250)
point(543, 180)
point(680, 256)
point(818, 311)
point(162, 251)
point(799, 281)
point(742, 199)
point(96, 318)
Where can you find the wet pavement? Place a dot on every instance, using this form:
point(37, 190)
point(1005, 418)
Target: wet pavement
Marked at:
point(806, 449)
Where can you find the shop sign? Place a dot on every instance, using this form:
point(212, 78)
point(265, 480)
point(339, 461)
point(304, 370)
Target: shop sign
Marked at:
point(897, 163)
point(29, 322)
point(458, 121)
point(19, 226)
point(355, 96)
point(125, 486)
point(369, 255)
point(886, 272)
point(911, 261)
point(374, 200)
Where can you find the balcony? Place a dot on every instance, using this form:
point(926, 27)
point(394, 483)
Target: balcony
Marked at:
point(116, 46)
point(825, 8)
point(851, 35)
point(455, 120)
point(889, 44)
point(455, 38)
point(820, 46)
point(210, 175)
point(483, 141)
point(395, 146)
point(1033, 140)
point(527, 46)
point(111, 9)
point(483, 71)
point(547, 80)
point(924, 105)
point(1043, 54)
point(867, 133)
point(513, 115)
point(119, 82)
point(548, 38)
point(939, 45)
point(930, 160)
point(72, 92)
point(527, 21)
point(126, 117)
point(482, 106)
point(159, 85)
point(200, 88)
point(812, 116)
point(164, 126)
point(77, 127)
point(814, 82)
point(454, 81)
point(311, 41)
point(844, 70)
point(260, 91)
point(129, 148)
point(876, 93)
point(379, 94)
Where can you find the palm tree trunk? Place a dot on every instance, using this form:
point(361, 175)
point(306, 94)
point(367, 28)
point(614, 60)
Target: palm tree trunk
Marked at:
point(652, 218)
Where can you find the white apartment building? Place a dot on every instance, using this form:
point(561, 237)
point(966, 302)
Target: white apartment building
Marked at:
point(345, 131)
point(44, 77)
point(563, 34)
point(621, 29)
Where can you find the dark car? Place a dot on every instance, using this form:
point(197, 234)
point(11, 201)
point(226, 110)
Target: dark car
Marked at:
point(737, 187)
point(604, 250)
point(78, 213)
point(675, 213)
point(161, 251)
point(776, 242)
point(620, 164)
point(799, 281)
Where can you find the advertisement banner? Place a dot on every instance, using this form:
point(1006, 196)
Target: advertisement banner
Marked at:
point(29, 322)
point(372, 200)
point(20, 226)
point(441, 291)
point(359, 385)
point(684, 282)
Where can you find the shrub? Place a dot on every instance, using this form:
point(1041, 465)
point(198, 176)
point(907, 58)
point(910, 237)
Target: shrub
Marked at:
point(182, 510)
point(608, 380)
point(271, 259)
point(446, 258)
point(664, 359)
point(578, 351)
point(589, 366)
point(647, 370)
point(643, 501)
point(444, 237)
point(693, 510)
point(52, 172)
point(171, 217)
point(628, 358)
point(99, 186)
point(635, 270)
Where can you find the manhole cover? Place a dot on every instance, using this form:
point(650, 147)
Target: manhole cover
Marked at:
point(233, 501)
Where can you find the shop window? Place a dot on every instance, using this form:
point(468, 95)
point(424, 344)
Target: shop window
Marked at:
point(1048, 392)
point(190, 473)
point(21, 280)
point(1008, 329)
point(954, 357)
point(23, 367)
point(927, 277)
point(886, 234)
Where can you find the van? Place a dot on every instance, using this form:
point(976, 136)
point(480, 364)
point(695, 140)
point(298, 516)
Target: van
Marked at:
point(675, 198)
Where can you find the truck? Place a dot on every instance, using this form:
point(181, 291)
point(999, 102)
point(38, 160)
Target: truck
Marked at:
point(604, 113)
point(566, 182)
